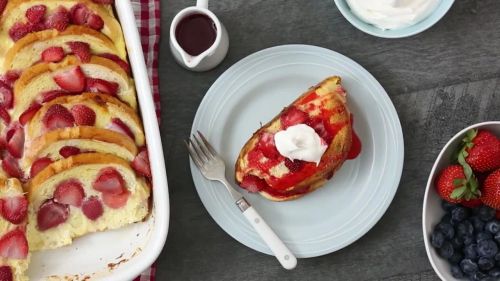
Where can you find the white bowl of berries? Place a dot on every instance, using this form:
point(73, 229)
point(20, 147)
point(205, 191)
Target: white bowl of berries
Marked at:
point(460, 221)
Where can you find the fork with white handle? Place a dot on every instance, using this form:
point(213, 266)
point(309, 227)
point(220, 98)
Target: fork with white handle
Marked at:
point(212, 167)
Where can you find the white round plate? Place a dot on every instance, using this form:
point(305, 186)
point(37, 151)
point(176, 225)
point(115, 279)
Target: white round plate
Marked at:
point(253, 91)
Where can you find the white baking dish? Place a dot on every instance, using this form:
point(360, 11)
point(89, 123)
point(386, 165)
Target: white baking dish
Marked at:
point(124, 253)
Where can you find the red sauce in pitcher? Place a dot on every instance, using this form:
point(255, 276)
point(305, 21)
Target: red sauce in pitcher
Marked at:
point(196, 33)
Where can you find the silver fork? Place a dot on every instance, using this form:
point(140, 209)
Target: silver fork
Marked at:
point(212, 167)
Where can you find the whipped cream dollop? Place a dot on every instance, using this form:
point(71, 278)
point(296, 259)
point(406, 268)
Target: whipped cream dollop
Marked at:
point(392, 14)
point(300, 142)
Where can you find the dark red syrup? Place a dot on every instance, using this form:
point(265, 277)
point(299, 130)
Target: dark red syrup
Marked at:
point(196, 33)
point(355, 144)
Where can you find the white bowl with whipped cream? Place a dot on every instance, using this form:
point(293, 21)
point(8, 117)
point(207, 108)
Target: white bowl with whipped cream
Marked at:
point(393, 18)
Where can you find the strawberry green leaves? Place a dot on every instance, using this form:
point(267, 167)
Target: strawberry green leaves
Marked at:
point(467, 188)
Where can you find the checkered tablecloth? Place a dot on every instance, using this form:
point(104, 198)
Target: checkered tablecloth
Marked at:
point(147, 14)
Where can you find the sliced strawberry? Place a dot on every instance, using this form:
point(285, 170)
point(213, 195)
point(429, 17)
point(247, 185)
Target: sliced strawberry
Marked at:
point(116, 201)
point(35, 13)
point(39, 165)
point(293, 116)
point(123, 64)
point(50, 95)
point(10, 77)
point(53, 54)
point(95, 22)
point(92, 208)
point(319, 127)
point(28, 114)
point(69, 192)
point(5, 270)
point(6, 96)
point(3, 3)
point(15, 141)
point(14, 245)
point(96, 85)
point(253, 183)
point(51, 214)
point(267, 146)
point(109, 181)
point(72, 80)
point(83, 115)
point(4, 115)
point(141, 163)
point(67, 151)
point(19, 30)
point(294, 166)
point(81, 50)
point(79, 14)
point(14, 209)
point(103, 1)
point(11, 167)
point(59, 19)
point(58, 116)
point(117, 125)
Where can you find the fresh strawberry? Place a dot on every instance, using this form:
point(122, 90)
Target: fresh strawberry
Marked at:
point(452, 185)
point(109, 181)
point(473, 203)
point(5, 270)
point(19, 30)
point(267, 146)
point(293, 116)
point(497, 215)
point(51, 214)
point(94, 21)
point(253, 183)
point(92, 208)
point(491, 190)
point(141, 163)
point(96, 85)
point(6, 96)
point(294, 166)
point(481, 150)
point(15, 140)
point(4, 115)
point(117, 125)
point(72, 80)
point(35, 13)
point(14, 209)
point(53, 54)
point(50, 95)
point(10, 77)
point(39, 165)
point(58, 116)
point(28, 114)
point(11, 167)
point(59, 19)
point(81, 50)
point(69, 192)
point(14, 245)
point(123, 64)
point(67, 151)
point(84, 115)
point(104, 1)
point(115, 201)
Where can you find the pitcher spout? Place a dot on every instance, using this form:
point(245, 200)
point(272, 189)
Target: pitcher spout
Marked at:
point(192, 61)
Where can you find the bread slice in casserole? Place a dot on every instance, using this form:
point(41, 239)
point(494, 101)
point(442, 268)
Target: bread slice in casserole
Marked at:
point(84, 193)
point(261, 168)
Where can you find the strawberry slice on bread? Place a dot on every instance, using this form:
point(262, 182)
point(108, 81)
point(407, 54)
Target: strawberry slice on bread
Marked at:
point(261, 168)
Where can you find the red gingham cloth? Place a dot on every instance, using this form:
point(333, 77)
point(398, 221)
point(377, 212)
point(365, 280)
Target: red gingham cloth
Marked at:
point(147, 14)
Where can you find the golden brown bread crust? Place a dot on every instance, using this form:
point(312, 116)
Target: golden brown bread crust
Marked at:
point(338, 148)
point(81, 132)
point(68, 163)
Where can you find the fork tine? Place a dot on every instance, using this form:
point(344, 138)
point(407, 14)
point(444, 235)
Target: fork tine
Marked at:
point(196, 147)
point(207, 144)
point(203, 148)
point(197, 161)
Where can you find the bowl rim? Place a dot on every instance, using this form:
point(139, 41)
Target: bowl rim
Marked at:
point(430, 183)
point(425, 24)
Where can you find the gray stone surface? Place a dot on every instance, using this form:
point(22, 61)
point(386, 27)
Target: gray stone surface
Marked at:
point(440, 81)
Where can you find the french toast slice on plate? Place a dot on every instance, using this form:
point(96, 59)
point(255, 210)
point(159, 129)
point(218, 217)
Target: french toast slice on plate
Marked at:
point(261, 168)
point(81, 194)
point(36, 46)
point(14, 255)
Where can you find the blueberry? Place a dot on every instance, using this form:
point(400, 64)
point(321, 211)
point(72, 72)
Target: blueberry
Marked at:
point(470, 251)
point(456, 257)
point(497, 257)
point(492, 226)
point(495, 272)
point(478, 276)
point(468, 239)
point(468, 266)
point(464, 228)
point(485, 263)
point(483, 236)
point(459, 214)
point(447, 229)
point(456, 271)
point(486, 213)
point(497, 237)
point(447, 206)
point(487, 248)
point(477, 223)
point(446, 218)
point(457, 242)
point(446, 250)
point(437, 239)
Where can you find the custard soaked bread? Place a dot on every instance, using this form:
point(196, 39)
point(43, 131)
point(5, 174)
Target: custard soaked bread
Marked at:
point(261, 168)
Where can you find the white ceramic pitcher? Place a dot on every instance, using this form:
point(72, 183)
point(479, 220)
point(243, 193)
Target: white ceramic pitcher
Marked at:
point(211, 57)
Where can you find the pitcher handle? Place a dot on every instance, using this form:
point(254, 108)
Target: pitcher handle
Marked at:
point(202, 4)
